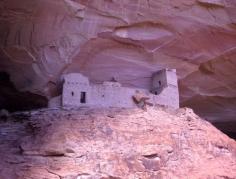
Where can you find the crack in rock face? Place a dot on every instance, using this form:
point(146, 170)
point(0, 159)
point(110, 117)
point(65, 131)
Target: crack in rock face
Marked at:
point(41, 40)
point(212, 3)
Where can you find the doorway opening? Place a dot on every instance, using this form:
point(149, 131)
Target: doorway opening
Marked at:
point(83, 97)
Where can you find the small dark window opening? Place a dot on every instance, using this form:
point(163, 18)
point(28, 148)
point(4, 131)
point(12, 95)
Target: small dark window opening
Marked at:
point(156, 93)
point(159, 83)
point(72, 93)
point(83, 97)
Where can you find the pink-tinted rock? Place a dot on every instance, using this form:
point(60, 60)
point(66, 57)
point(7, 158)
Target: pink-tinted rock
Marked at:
point(115, 143)
point(127, 39)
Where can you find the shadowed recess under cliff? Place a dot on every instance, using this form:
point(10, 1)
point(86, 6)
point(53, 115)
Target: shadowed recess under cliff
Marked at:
point(14, 100)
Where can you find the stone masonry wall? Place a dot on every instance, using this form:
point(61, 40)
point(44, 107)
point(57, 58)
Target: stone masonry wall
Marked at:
point(112, 94)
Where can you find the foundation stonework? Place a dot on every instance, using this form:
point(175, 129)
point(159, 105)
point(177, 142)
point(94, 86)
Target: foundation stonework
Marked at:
point(78, 92)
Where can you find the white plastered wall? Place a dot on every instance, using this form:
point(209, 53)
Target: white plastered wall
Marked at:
point(74, 84)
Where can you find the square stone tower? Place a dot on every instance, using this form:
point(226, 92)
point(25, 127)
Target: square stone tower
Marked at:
point(165, 86)
point(163, 79)
point(76, 90)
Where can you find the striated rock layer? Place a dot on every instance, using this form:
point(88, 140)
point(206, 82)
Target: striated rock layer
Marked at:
point(40, 40)
point(114, 144)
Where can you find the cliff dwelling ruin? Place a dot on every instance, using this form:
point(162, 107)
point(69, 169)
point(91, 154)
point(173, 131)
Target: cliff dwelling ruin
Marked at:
point(79, 92)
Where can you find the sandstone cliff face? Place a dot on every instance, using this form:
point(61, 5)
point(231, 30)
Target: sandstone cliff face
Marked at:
point(114, 144)
point(40, 40)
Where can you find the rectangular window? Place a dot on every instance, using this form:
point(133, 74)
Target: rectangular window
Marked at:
point(83, 97)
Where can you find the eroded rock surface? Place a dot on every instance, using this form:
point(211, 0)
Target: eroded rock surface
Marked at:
point(115, 143)
point(127, 40)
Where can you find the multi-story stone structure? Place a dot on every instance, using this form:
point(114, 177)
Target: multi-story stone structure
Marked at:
point(77, 91)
